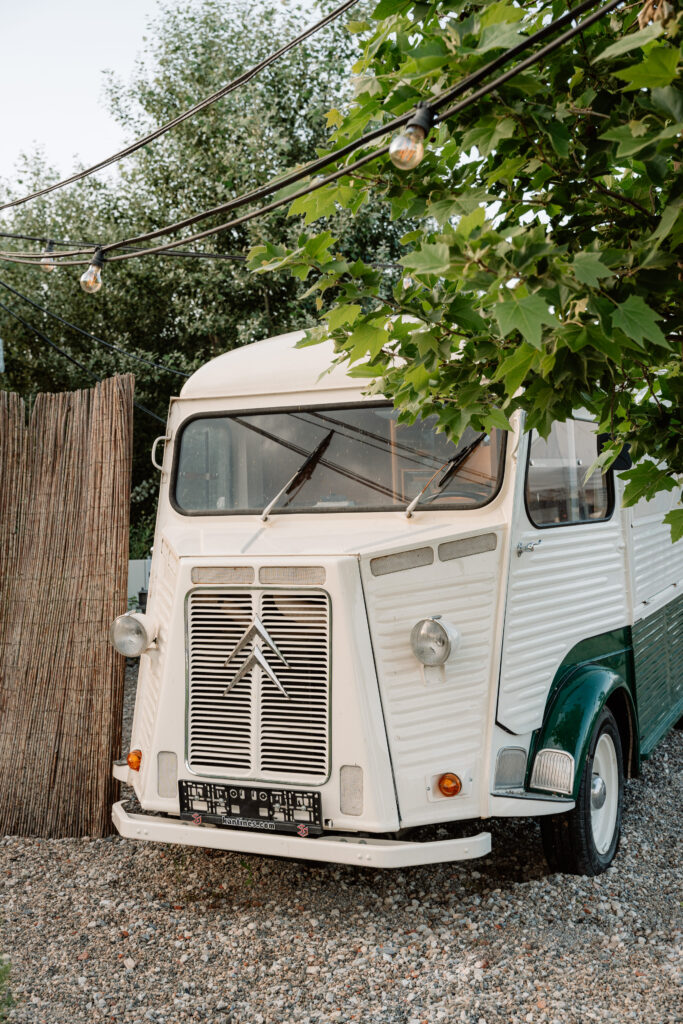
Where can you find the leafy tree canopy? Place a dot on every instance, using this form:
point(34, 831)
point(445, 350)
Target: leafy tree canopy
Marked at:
point(545, 270)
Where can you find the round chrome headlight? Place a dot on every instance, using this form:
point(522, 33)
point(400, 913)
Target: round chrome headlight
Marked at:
point(131, 634)
point(433, 641)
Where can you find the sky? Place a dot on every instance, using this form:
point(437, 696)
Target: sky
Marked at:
point(51, 82)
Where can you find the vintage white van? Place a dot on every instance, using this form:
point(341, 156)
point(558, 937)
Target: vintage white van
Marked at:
point(355, 629)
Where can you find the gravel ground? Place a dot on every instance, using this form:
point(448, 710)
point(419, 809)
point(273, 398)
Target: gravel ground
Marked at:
point(111, 930)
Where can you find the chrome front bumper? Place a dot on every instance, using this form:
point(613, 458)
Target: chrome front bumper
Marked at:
point(372, 853)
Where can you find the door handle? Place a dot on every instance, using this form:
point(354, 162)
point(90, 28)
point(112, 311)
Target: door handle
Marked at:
point(521, 547)
point(157, 441)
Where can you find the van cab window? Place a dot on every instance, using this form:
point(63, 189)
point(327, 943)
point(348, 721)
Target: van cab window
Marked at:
point(328, 459)
point(557, 492)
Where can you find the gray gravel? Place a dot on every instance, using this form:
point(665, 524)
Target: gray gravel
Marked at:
point(112, 930)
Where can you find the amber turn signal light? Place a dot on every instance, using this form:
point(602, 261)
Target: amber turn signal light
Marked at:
point(134, 760)
point(449, 784)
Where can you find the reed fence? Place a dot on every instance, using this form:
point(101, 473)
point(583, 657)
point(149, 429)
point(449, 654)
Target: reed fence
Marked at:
point(64, 516)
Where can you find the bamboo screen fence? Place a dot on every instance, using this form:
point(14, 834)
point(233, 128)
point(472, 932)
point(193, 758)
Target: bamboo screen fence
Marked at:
point(64, 508)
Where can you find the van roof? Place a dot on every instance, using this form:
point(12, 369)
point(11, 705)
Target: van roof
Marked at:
point(270, 367)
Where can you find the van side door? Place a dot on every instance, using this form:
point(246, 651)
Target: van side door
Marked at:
point(567, 580)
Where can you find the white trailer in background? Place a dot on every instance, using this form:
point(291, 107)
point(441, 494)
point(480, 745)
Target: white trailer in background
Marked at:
point(328, 663)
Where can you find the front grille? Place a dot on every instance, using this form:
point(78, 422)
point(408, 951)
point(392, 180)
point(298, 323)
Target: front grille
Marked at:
point(255, 731)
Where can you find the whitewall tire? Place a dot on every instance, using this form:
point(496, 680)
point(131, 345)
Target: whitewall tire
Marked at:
point(585, 841)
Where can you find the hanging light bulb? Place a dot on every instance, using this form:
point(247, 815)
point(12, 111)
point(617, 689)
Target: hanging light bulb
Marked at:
point(407, 149)
point(47, 263)
point(91, 280)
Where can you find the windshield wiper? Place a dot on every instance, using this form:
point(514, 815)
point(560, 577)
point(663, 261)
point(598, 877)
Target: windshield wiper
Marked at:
point(448, 469)
point(304, 472)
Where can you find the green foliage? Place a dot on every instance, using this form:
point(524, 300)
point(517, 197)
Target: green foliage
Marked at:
point(527, 314)
point(143, 517)
point(675, 521)
point(183, 312)
point(542, 269)
point(6, 1000)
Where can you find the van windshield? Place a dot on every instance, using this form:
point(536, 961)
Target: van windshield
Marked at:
point(363, 461)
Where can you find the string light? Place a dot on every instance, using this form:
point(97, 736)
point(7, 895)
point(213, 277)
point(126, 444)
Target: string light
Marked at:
point(436, 102)
point(407, 149)
point(47, 263)
point(91, 280)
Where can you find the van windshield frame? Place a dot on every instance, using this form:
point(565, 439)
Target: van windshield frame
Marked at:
point(207, 472)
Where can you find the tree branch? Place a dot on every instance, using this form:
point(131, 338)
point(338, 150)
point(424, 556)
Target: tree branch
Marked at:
point(620, 198)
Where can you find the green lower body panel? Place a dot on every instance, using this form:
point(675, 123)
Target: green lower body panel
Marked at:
point(658, 662)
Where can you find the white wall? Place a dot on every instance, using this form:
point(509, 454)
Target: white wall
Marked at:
point(138, 575)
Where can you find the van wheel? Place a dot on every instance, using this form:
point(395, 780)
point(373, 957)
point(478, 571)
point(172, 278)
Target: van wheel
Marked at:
point(584, 841)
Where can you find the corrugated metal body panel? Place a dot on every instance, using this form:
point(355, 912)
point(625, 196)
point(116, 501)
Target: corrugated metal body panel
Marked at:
point(657, 563)
point(438, 725)
point(160, 607)
point(658, 657)
point(651, 658)
point(571, 586)
point(675, 631)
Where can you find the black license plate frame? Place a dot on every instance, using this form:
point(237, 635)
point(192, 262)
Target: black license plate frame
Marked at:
point(251, 808)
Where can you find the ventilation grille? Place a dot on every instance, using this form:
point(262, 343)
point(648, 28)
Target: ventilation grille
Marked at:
point(256, 731)
point(412, 559)
point(230, 574)
point(220, 727)
point(294, 575)
point(467, 546)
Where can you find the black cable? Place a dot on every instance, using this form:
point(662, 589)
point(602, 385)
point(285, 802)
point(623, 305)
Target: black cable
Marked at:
point(237, 221)
point(266, 190)
point(93, 337)
point(341, 173)
point(321, 162)
point(350, 168)
point(237, 257)
point(376, 133)
point(515, 51)
point(387, 265)
point(242, 79)
point(71, 359)
point(531, 59)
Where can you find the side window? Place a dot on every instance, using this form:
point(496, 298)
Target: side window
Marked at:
point(557, 492)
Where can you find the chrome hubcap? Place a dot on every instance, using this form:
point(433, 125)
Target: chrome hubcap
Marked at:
point(598, 792)
point(604, 793)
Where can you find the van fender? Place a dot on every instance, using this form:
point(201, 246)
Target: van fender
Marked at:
point(572, 712)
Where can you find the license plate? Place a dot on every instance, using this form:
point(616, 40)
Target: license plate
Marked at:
point(252, 809)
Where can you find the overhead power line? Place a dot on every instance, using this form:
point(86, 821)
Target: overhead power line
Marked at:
point(87, 246)
point(66, 355)
point(435, 102)
point(343, 172)
point(242, 79)
point(93, 337)
point(236, 257)
point(529, 61)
